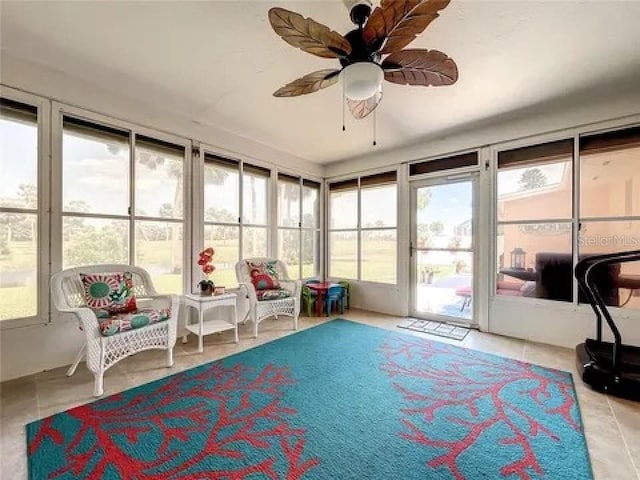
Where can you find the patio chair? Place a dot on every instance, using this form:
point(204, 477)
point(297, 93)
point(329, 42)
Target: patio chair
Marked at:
point(270, 291)
point(308, 299)
point(335, 295)
point(114, 337)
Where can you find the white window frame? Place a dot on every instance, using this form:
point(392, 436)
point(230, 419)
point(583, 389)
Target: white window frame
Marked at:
point(359, 229)
point(300, 228)
point(575, 133)
point(43, 209)
point(199, 207)
point(58, 111)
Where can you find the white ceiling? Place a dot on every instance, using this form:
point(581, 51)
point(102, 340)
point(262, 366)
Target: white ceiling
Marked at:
point(219, 62)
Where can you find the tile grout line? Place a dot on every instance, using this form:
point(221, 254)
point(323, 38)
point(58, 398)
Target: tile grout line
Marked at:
point(624, 439)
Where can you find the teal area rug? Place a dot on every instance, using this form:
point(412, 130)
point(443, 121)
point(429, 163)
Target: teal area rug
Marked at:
point(338, 401)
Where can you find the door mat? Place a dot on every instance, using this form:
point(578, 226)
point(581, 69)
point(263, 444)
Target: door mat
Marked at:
point(435, 328)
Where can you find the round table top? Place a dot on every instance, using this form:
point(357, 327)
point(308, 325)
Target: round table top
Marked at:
point(322, 286)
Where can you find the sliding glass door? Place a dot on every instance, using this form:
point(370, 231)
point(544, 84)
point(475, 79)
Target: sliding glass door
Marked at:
point(442, 249)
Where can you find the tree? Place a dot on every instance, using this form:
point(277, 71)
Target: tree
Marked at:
point(436, 227)
point(166, 210)
point(423, 198)
point(532, 178)
point(29, 195)
point(74, 225)
point(91, 246)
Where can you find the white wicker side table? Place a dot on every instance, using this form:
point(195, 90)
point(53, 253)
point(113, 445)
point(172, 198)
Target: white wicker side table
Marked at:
point(219, 324)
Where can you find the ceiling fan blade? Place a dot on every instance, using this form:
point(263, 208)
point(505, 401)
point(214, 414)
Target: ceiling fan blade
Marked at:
point(310, 83)
point(420, 67)
point(308, 35)
point(361, 108)
point(396, 23)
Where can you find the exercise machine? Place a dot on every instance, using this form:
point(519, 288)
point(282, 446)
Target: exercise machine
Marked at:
point(611, 367)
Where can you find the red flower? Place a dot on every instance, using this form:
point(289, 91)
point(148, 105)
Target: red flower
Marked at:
point(207, 269)
point(209, 251)
point(203, 261)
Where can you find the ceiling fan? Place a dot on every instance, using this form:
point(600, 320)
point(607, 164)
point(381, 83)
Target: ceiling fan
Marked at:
point(385, 31)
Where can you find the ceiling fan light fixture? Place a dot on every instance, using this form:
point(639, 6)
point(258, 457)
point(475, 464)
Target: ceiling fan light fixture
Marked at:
point(362, 80)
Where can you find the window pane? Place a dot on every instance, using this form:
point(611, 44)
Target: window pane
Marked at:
point(536, 189)
point(159, 247)
point(18, 265)
point(288, 204)
point(254, 242)
point(610, 182)
point(87, 241)
point(95, 172)
point(159, 181)
point(225, 241)
point(254, 199)
point(621, 284)
point(343, 254)
point(221, 193)
point(18, 162)
point(310, 207)
point(444, 280)
point(379, 206)
point(444, 216)
point(310, 253)
point(343, 207)
point(535, 260)
point(289, 250)
point(378, 260)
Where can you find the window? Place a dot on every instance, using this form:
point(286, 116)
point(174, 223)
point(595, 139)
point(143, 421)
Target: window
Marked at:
point(222, 215)
point(236, 210)
point(20, 221)
point(105, 219)
point(299, 225)
point(363, 228)
point(255, 199)
point(159, 219)
point(610, 208)
point(534, 211)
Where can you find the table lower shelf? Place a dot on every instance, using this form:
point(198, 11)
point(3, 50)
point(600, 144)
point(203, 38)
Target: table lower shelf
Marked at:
point(210, 326)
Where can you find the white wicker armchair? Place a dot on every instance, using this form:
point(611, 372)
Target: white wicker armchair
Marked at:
point(259, 310)
point(102, 352)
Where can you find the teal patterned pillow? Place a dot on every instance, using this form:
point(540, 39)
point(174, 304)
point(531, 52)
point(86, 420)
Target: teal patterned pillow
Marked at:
point(109, 292)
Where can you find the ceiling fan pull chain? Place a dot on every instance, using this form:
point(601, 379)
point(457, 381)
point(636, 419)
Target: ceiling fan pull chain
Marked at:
point(374, 128)
point(343, 101)
point(375, 125)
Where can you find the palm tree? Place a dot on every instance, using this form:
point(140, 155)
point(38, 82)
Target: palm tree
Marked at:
point(532, 178)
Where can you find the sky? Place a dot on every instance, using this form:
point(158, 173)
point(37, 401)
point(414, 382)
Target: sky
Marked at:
point(18, 157)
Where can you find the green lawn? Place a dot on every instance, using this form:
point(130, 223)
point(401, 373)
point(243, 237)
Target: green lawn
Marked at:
point(18, 299)
point(378, 260)
point(17, 302)
point(165, 258)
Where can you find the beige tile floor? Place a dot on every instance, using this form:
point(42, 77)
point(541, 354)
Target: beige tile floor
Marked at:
point(612, 425)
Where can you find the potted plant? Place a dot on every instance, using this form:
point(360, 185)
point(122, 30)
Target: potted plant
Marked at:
point(205, 262)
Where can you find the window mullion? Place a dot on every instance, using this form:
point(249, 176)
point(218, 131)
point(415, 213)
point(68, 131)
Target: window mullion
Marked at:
point(359, 233)
point(300, 212)
point(240, 211)
point(132, 198)
point(575, 207)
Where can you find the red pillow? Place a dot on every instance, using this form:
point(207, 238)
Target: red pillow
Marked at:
point(264, 275)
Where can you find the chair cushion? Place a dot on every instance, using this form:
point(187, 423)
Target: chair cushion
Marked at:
point(112, 292)
point(272, 294)
point(264, 275)
point(110, 324)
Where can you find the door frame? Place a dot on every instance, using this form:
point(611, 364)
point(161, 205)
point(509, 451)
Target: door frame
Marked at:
point(474, 178)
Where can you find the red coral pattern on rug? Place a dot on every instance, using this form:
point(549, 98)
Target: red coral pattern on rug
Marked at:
point(443, 383)
point(213, 422)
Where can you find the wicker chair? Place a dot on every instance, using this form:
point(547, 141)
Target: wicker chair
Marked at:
point(261, 309)
point(102, 352)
